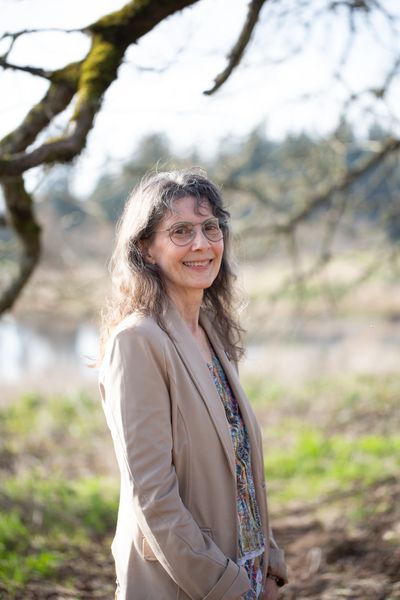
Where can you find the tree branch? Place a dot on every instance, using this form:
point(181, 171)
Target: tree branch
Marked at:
point(89, 80)
point(62, 150)
point(238, 49)
point(14, 35)
point(57, 98)
point(391, 146)
point(325, 197)
point(22, 219)
point(26, 69)
point(111, 36)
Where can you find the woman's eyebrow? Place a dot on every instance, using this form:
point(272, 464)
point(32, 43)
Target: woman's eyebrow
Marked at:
point(191, 222)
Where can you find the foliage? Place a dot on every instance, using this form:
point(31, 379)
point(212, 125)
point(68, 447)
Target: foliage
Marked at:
point(51, 521)
point(54, 499)
point(314, 463)
point(59, 494)
point(328, 435)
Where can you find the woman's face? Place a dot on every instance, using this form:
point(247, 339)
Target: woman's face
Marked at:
point(189, 269)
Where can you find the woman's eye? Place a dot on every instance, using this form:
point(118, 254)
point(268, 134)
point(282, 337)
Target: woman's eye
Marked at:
point(182, 230)
point(211, 227)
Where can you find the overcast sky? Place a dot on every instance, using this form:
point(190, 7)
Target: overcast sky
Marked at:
point(160, 84)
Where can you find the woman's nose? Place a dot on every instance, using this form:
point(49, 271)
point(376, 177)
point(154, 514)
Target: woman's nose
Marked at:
point(200, 240)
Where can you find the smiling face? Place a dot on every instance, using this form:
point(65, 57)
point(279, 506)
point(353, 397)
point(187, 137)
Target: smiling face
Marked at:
point(187, 270)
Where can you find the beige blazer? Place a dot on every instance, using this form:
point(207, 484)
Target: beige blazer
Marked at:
point(176, 535)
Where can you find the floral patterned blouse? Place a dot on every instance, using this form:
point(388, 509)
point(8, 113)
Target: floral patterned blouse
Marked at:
point(251, 541)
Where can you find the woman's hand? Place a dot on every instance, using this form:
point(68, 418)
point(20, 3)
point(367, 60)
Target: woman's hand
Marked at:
point(271, 590)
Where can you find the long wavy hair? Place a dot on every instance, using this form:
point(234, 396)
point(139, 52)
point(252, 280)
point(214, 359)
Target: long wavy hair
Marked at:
point(138, 286)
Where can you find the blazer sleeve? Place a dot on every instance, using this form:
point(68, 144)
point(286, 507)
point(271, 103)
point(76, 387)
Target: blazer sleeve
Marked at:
point(135, 387)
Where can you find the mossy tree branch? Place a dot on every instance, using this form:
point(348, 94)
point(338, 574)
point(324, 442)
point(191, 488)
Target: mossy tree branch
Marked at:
point(21, 218)
point(111, 36)
point(63, 86)
point(87, 81)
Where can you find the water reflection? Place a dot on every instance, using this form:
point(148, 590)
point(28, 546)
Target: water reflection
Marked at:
point(295, 351)
point(25, 350)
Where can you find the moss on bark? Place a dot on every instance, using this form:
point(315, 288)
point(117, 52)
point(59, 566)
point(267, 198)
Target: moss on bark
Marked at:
point(122, 16)
point(98, 71)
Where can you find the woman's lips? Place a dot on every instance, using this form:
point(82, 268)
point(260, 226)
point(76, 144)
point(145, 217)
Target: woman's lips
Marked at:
point(197, 264)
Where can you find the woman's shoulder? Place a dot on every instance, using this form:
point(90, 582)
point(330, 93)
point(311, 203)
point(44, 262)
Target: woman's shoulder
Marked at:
point(136, 339)
point(136, 332)
point(138, 326)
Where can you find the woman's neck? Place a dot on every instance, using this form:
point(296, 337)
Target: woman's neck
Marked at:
point(189, 309)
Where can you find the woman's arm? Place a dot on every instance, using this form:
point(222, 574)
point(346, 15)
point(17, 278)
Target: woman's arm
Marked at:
point(136, 393)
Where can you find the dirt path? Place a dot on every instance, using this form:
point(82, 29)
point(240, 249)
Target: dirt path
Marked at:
point(332, 553)
point(343, 557)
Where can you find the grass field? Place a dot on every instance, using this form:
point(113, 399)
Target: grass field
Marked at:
point(332, 455)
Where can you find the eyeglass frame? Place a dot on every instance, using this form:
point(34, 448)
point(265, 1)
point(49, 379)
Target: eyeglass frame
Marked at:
point(215, 220)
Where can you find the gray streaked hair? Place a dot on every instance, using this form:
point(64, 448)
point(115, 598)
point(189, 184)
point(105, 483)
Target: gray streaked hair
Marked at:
point(138, 286)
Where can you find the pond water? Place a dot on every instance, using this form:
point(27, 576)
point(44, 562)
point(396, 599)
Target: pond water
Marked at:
point(27, 351)
point(296, 351)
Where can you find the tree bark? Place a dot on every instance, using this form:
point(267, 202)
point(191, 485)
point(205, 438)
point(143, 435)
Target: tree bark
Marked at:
point(86, 81)
point(20, 216)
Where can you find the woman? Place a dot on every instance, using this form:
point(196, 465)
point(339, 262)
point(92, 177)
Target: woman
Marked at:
point(192, 520)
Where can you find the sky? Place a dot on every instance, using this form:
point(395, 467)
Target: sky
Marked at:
point(160, 85)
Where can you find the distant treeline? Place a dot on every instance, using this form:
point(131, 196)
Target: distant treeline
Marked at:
point(278, 176)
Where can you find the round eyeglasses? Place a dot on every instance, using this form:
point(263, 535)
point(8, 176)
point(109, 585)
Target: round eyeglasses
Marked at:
point(182, 234)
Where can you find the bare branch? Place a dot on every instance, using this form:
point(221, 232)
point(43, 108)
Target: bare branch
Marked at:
point(297, 277)
point(238, 49)
point(22, 219)
point(391, 74)
point(324, 197)
point(249, 188)
point(391, 146)
point(300, 278)
point(26, 69)
point(14, 35)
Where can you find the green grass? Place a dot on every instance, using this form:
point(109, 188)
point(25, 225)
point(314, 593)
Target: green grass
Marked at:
point(314, 464)
point(264, 393)
point(50, 508)
point(328, 434)
point(51, 520)
point(58, 496)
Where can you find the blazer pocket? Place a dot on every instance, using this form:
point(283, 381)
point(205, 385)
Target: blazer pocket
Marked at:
point(147, 551)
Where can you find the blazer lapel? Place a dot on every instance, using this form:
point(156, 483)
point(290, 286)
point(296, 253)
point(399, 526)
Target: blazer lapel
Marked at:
point(239, 393)
point(190, 355)
point(248, 418)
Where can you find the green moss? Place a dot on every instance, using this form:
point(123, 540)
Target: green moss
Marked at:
point(98, 71)
point(120, 17)
point(69, 74)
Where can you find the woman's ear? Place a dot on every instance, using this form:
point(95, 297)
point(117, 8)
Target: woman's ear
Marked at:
point(145, 250)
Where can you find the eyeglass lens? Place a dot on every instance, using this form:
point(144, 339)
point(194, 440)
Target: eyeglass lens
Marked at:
point(185, 233)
